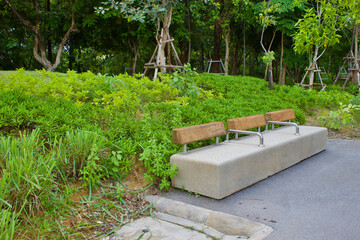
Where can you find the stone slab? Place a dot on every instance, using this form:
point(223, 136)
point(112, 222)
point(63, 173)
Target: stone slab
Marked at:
point(219, 170)
point(152, 228)
point(213, 223)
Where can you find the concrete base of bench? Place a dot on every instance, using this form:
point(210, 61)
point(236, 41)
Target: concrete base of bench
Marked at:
point(219, 170)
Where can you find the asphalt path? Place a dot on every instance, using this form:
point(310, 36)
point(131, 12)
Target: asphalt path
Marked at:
point(316, 199)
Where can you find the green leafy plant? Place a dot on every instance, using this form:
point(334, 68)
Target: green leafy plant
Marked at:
point(92, 172)
point(117, 165)
point(342, 117)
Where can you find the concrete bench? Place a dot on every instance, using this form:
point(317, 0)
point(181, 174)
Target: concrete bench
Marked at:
point(221, 169)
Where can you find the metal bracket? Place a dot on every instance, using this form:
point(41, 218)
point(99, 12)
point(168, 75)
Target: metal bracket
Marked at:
point(248, 133)
point(283, 123)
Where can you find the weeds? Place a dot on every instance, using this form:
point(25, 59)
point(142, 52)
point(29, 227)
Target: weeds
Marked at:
point(344, 117)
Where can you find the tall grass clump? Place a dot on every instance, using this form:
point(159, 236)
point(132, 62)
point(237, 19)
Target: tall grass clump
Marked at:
point(8, 224)
point(73, 150)
point(27, 173)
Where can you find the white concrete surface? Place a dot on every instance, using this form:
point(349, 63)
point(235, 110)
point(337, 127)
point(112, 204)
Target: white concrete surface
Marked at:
point(218, 171)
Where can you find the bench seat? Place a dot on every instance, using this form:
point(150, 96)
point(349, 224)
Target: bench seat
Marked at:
point(219, 170)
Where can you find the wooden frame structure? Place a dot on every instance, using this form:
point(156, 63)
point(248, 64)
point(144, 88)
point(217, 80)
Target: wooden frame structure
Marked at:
point(162, 41)
point(312, 83)
point(351, 70)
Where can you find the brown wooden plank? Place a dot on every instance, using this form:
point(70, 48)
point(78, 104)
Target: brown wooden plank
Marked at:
point(195, 133)
point(282, 115)
point(244, 123)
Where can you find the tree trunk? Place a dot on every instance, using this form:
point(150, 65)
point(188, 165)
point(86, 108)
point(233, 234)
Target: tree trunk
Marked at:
point(282, 76)
point(244, 52)
point(134, 45)
point(39, 50)
point(250, 65)
point(136, 53)
point(282, 68)
point(189, 29)
point(164, 38)
point(49, 41)
point(356, 77)
point(71, 55)
point(271, 77)
point(215, 67)
point(183, 54)
point(312, 68)
point(78, 64)
point(275, 69)
point(227, 49)
point(234, 70)
point(202, 57)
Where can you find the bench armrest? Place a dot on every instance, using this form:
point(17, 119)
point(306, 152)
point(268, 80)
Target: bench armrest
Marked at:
point(283, 123)
point(248, 133)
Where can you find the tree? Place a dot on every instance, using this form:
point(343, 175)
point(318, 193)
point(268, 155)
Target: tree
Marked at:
point(354, 7)
point(286, 20)
point(156, 10)
point(36, 13)
point(267, 19)
point(316, 31)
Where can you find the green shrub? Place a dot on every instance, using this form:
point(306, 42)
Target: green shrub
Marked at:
point(344, 117)
point(20, 111)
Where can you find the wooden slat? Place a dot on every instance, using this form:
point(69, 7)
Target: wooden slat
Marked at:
point(195, 133)
point(245, 123)
point(282, 115)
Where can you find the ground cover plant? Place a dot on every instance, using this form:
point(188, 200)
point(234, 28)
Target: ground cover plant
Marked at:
point(69, 141)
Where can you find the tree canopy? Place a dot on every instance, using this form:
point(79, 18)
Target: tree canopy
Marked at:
point(110, 36)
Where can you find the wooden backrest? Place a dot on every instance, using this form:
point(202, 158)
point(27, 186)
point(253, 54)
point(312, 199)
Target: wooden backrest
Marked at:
point(244, 123)
point(280, 116)
point(195, 133)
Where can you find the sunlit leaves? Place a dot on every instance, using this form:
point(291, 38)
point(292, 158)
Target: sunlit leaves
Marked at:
point(318, 27)
point(135, 10)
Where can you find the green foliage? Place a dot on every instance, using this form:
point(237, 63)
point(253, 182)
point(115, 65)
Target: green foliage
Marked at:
point(135, 10)
point(340, 118)
point(185, 81)
point(93, 171)
point(265, 12)
point(117, 164)
point(268, 57)
point(19, 110)
point(318, 27)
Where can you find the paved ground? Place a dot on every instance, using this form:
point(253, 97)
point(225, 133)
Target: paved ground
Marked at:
point(318, 198)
